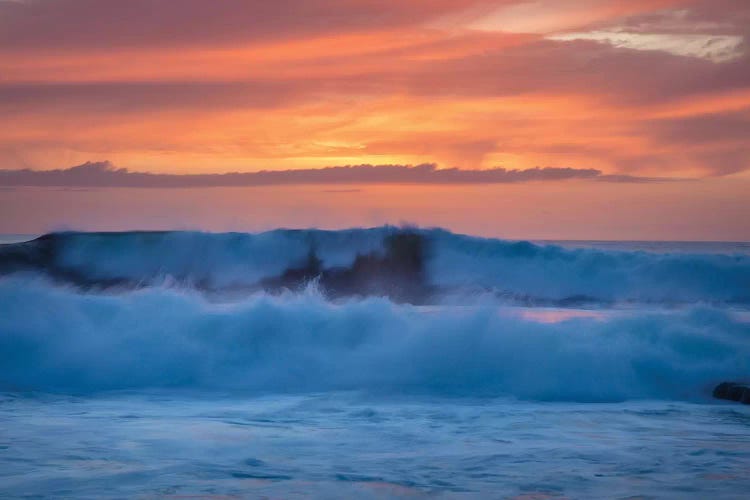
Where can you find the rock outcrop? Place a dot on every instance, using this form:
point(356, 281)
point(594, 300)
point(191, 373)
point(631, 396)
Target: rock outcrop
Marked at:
point(399, 273)
point(733, 391)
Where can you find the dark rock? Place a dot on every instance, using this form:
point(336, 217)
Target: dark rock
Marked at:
point(398, 274)
point(732, 391)
point(721, 391)
point(298, 277)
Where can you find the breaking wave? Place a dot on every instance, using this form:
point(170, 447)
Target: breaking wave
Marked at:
point(445, 264)
point(55, 338)
point(299, 310)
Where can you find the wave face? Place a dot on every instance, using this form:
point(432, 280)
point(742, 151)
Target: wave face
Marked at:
point(449, 265)
point(560, 274)
point(55, 338)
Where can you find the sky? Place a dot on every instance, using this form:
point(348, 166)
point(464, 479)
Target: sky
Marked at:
point(369, 105)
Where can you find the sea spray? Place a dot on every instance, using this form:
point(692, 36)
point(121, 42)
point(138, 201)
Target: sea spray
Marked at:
point(454, 266)
point(55, 338)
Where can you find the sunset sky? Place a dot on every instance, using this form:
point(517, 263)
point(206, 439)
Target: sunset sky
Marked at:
point(642, 102)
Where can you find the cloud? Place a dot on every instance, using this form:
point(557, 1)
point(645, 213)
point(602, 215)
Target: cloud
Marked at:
point(715, 48)
point(126, 98)
point(103, 174)
point(713, 30)
point(719, 140)
point(618, 75)
point(311, 83)
point(728, 17)
point(60, 24)
point(550, 16)
point(709, 128)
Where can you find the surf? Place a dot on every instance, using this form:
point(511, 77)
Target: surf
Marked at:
point(410, 265)
point(59, 339)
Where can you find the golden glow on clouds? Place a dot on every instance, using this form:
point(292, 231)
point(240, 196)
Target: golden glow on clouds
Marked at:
point(711, 47)
point(475, 84)
point(550, 16)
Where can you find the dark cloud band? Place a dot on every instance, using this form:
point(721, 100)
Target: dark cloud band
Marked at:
point(103, 174)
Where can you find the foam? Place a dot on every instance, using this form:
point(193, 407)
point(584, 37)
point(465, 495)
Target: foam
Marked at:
point(57, 339)
point(456, 264)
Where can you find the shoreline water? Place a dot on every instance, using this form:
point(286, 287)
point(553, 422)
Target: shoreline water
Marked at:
point(339, 445)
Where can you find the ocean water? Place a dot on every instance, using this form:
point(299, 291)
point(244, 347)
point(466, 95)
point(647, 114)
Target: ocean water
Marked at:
point(158, 365)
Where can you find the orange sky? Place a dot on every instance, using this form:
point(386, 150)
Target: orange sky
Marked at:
point(714, 209)
point(637, 87)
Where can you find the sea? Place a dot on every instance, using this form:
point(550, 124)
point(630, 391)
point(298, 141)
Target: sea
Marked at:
point(151, 365)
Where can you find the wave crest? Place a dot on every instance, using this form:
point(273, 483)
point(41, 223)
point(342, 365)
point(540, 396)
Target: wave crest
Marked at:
point(56, 339)
point(451, 265)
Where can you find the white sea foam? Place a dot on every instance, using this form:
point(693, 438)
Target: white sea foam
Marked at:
point(57, 339)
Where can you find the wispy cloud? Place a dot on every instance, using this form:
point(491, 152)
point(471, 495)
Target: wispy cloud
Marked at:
point(715, 48)
point(103, 174)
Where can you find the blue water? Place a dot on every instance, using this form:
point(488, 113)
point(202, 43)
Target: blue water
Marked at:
point(342, 445)
point(166, 391)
